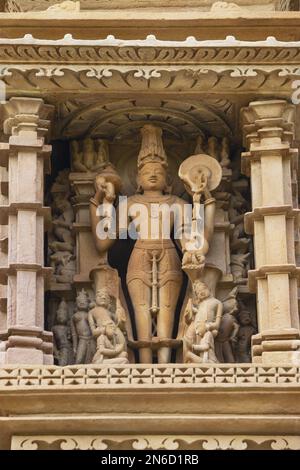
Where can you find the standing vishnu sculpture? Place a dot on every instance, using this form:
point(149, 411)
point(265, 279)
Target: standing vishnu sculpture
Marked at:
point(154, 273)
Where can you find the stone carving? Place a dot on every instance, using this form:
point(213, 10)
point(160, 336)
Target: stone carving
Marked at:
point(201, 5)
point(237, 209)
point(244, 335)
point(200, 175)
point(61, 239)
point(107, 321)
point(111, 345)
point(103, 311)
point(216, 148)
point(116, 71)
point(227, 335)
point(62, 336)
point(225, 6)
point(139, 376)
point(89, 155)
point(154, 271)
point(155, 442)
point(239, 265)
point(68, 5)
point(240, 242)
point(206, 312)
point(83, 341)
point(225, 153)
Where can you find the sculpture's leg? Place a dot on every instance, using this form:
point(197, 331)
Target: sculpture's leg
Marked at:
point(81, 351)
point(140, 297)
point(168, 297)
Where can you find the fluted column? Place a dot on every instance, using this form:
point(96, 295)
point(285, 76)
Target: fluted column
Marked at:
point(26, 157)
point(268, 136)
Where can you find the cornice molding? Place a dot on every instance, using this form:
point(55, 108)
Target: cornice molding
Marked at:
point(241, 64)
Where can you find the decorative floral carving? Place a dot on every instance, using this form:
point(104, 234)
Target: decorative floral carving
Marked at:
point(156, 442)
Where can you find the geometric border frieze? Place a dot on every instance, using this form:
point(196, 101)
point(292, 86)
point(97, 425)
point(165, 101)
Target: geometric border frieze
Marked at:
point(140, 376)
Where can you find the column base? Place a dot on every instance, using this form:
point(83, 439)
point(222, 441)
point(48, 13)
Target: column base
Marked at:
point(24, 356)
point(26, 346)
point(277, 347)
point(281, 357)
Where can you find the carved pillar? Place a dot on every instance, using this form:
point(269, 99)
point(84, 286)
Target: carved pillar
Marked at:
point(268, 134)
point(25, 157)
point(87, 256)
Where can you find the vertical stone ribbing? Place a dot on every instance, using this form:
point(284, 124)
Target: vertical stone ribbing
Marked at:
point(26, 156)
point(268, 136)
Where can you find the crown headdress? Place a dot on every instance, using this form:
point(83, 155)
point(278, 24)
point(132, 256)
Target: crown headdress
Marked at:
point(152, 149)
point(83, 296)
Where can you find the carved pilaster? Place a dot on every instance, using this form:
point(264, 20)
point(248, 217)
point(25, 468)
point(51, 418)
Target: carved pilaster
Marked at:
point(87, 256)
point(26, 157)
point(268, 136)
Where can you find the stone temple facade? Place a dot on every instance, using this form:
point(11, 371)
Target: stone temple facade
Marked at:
point(160, 342)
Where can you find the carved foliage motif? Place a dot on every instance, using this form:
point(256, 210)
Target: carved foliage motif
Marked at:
point(190, 64)
point(171, 442)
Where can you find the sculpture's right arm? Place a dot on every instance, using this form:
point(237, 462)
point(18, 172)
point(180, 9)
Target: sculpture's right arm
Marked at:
point(74, 335)
point(91, 323)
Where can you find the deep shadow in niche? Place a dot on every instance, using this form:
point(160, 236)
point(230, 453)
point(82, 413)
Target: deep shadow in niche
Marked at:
point(60, 160)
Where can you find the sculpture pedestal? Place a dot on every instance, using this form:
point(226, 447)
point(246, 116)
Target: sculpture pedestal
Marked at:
point(142, 407)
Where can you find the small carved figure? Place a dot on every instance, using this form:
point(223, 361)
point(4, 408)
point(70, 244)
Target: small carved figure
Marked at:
point(227, 335)
point(89, 154)
point(239, 264)
point(245, 333)
point(213, 147)
point(225, 150)
point(107, 188)
point(101, 156)
point(111, 345)
point(200, 145)
point(61, 242)
point(64, 266)
point(83, 341)
point(237, 208)
point(62, 336)
point(101, 312)
point(77, 155)
point(62, 224)
point(198, 340)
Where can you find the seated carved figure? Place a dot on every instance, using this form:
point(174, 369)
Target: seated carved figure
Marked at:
point(111, 345)
point(199, 345)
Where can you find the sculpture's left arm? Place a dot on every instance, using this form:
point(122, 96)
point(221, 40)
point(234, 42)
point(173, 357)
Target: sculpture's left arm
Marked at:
point(209, 216)
point(215, 326)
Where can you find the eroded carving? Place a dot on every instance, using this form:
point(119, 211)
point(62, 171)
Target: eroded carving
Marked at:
point(62, 338)
point(61, 239)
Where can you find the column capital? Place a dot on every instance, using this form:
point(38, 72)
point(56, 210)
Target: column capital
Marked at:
point(263, 119)
point(26, 115)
